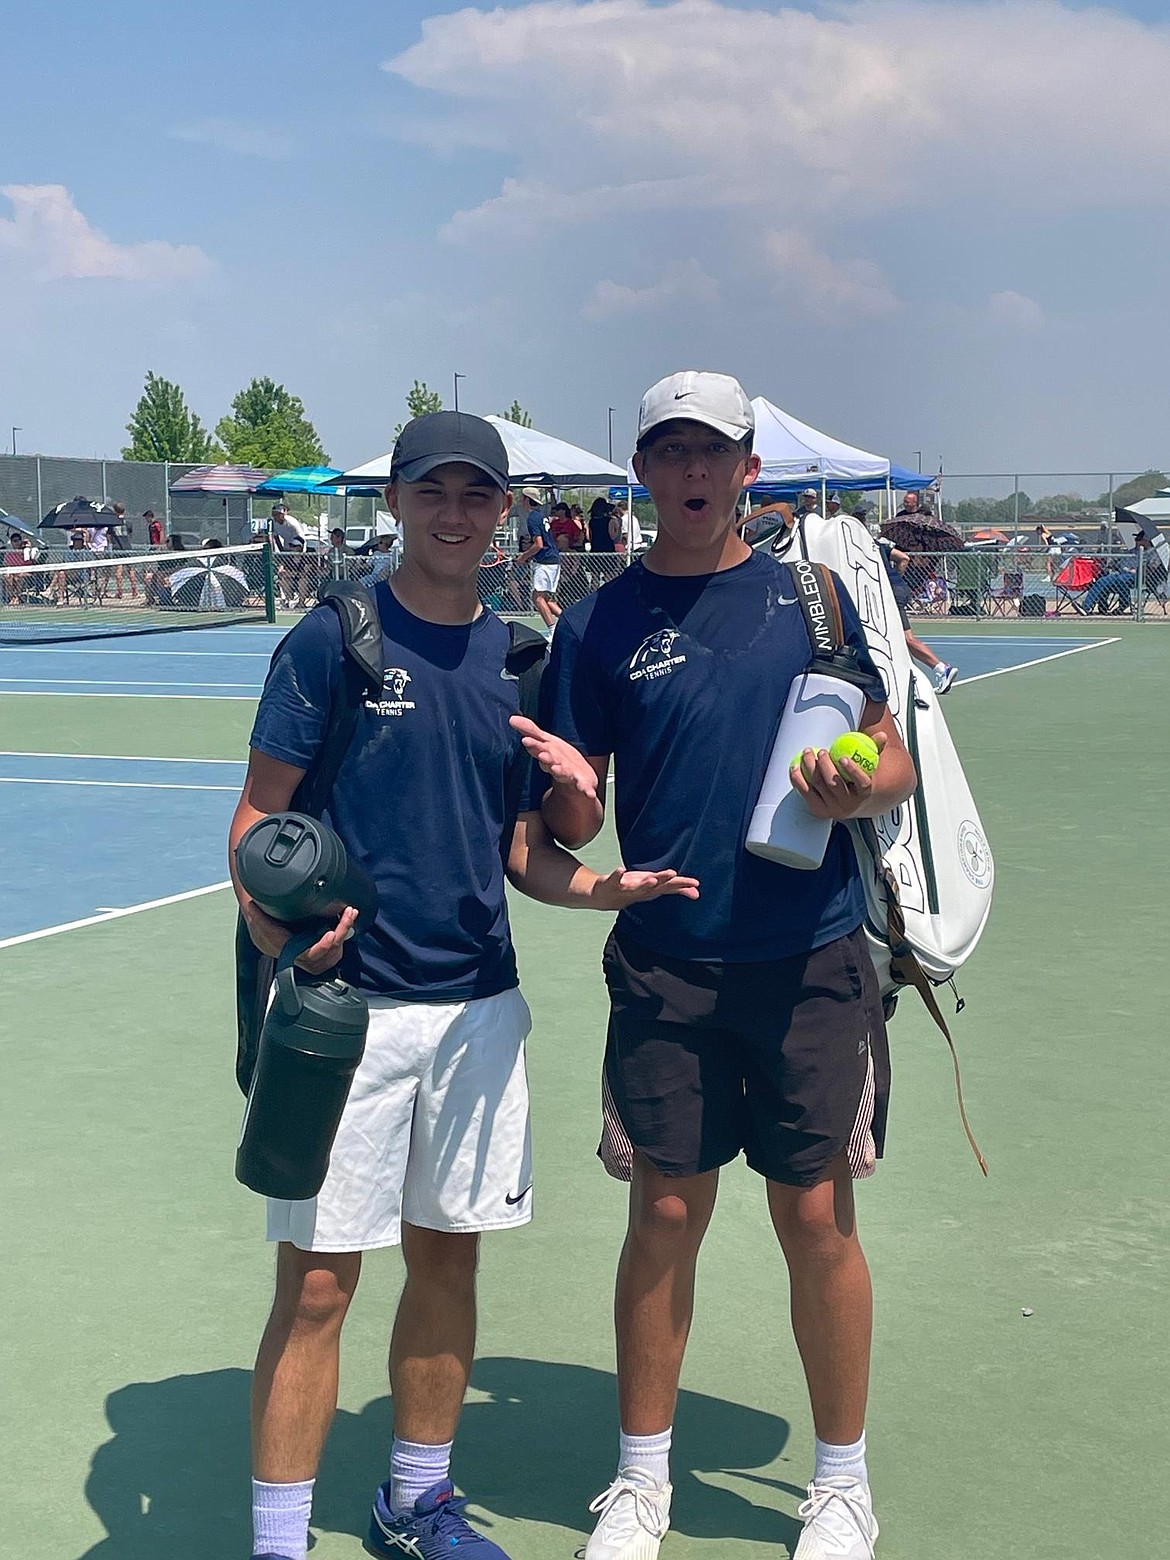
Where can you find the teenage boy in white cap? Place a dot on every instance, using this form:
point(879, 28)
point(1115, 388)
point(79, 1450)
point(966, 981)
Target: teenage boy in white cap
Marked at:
point(746, 1020)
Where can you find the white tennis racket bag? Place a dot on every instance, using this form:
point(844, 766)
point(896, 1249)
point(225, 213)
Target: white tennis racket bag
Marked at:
point(927, 867)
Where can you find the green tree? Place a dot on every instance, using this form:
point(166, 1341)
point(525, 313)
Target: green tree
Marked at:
point(1133, 491)
point(517, 414)
point(420, 402)
point(268, 428)
point(163, 427)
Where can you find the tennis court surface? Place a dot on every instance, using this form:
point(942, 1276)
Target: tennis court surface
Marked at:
point(140, 1280)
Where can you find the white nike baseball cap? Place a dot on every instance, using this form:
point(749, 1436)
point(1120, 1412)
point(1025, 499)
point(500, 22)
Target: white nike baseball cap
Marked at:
point(717, 400)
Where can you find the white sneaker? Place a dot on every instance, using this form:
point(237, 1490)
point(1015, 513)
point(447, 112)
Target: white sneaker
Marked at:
point(944, 676)
point(839, 1523)
point(633, 1516)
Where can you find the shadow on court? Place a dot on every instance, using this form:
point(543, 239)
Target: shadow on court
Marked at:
point(173, 1480)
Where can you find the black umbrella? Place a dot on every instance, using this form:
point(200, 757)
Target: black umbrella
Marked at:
point(79, 511)
point(208, 586)
point(924, 536)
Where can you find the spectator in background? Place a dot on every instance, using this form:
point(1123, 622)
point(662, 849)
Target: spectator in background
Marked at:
point(382, 559)
point(545, 558)
point(1119, 582)
point(807, 503)
point(288, 538)
point(154, 528)
point(16, 556)
point(600, 514)
point(833, 506)
point(897, 562)
point(625, 530)
point(568, 533)
point(566, 529)
point(119, 541)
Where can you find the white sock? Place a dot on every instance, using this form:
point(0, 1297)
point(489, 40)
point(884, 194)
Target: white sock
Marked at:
point(414, 1467)
point(841, 1462)
point(651, 1453)
point(280, 1518)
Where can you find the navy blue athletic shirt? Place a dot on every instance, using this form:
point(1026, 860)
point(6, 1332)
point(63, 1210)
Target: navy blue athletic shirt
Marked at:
point(537, 525)
point(420, 796)
point(683, 680)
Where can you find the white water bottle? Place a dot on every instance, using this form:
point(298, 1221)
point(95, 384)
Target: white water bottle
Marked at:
point(825, 701)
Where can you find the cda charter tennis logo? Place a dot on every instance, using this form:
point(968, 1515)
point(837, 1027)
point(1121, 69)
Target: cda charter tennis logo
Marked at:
point(655, 656)
point(393, 700)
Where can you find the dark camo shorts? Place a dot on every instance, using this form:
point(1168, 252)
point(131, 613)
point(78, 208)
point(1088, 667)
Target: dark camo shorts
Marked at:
point(784, 1061)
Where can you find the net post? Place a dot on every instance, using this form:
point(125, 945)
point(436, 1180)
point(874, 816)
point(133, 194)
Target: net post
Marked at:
point(269, 584)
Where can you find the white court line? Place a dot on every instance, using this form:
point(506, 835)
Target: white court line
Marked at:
point(119, 785)
point(61, 693)
point(121, 758)
point(1043, 660)
point(154, 655)
point(112, 915)
point(119, 682)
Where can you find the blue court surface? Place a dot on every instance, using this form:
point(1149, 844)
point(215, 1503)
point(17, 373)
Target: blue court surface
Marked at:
point(92, 836)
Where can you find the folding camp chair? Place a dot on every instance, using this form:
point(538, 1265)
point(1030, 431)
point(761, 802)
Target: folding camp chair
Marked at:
point(1073, 581)
point(1007, 595)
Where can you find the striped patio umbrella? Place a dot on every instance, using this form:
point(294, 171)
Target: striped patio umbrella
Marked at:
point(224, 480)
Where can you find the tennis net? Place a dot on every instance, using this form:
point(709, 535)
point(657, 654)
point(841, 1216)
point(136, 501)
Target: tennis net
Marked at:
point(101, 597)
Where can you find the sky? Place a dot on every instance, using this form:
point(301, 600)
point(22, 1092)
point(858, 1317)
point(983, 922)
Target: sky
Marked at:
point(937, 227)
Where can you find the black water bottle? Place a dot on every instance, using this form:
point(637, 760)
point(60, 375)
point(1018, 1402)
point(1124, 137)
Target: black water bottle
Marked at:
point(314, 1036)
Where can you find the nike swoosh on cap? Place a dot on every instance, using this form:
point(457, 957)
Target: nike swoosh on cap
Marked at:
point(680, 395)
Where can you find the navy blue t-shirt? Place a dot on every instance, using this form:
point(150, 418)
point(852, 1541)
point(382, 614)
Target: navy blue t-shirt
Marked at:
point(420, 796)
point(684, 679)
point(537, 524)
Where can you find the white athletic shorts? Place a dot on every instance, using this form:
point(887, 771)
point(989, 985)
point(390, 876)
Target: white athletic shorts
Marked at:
point(545, 578)
point(435, 1131)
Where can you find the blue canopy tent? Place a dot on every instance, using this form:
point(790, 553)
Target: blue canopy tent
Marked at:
point(313, 479)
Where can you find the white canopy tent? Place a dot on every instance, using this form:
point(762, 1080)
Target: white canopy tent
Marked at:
point(533, 457)
point(789, 450)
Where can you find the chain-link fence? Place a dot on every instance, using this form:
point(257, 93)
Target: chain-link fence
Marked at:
point(32, 485)
point(505, 585)
point(1035, 582)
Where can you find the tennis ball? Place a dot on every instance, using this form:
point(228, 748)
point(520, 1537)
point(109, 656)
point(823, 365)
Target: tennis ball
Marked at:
point(857, 746)
point(798, 759)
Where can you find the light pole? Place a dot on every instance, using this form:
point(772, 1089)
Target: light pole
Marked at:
point(15, 431)
point(458, 377)
point(918, 458)
point(612, 409)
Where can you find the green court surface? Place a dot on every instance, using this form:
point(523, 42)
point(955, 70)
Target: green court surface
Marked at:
point(138, 1278)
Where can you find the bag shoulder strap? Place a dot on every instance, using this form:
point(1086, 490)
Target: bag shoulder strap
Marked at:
point(527, 652)
point(816, 595)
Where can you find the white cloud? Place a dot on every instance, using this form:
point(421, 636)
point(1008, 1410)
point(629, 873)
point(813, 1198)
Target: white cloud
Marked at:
point(233, 135)
point(848, 112)
point(49, 239)
point(832, 290)
point(1015, 311)
point(685, 281)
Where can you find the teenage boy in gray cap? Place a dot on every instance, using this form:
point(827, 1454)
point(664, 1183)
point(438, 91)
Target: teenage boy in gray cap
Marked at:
point(434, 1144)
point(747, 1020)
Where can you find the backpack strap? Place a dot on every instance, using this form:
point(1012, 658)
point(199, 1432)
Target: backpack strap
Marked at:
point(362, 667)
